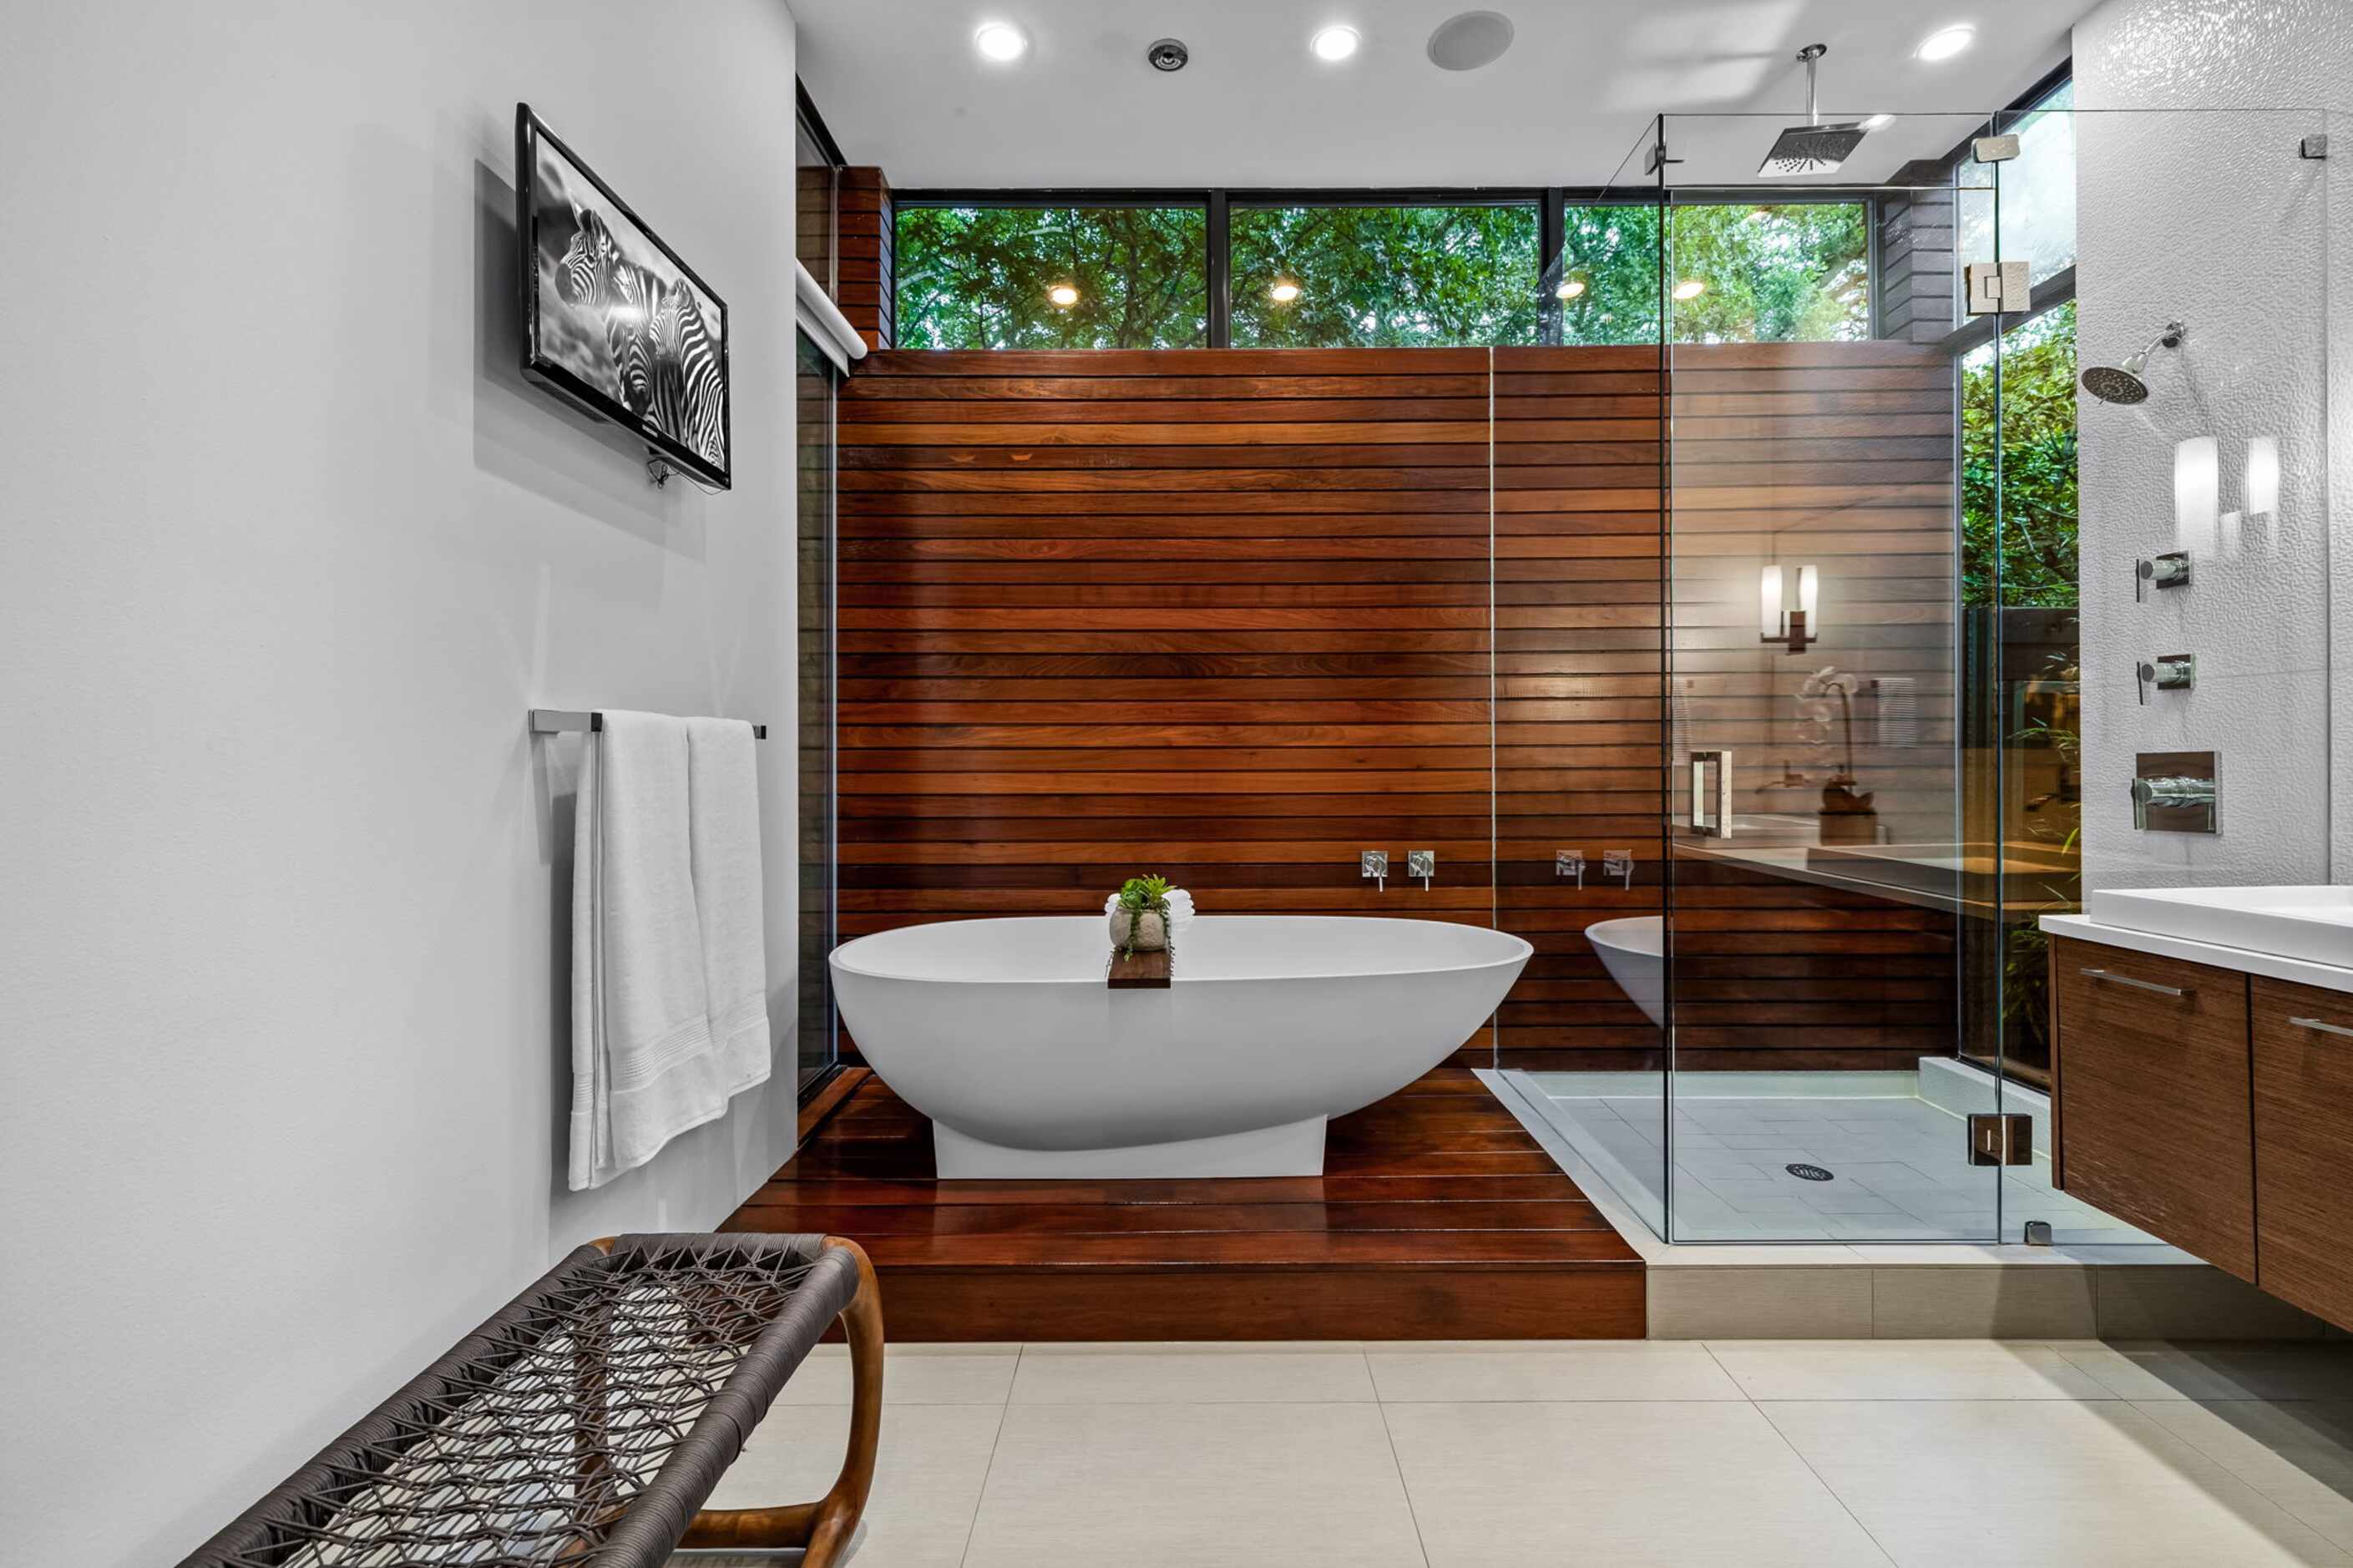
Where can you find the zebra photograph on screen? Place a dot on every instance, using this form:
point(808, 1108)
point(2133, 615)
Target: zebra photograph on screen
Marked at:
point(613, 319)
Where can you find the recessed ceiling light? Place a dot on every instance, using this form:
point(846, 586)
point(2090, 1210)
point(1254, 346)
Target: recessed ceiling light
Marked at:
point(1063, 294)
point(1570, 288)
point(1944, 44)
point(1335, 42)
point(1000, 41)
point(1876, 120)
point(1690, 288)
point(1283, 292)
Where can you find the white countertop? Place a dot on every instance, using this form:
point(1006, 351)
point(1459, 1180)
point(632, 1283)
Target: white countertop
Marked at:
point(2082, 928)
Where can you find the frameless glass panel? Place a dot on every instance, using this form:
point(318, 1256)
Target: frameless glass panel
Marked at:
point(1746, 273)
point(817, 196)
point(2036, 191)
point(1384, 277)
point(813, 429)
point(1819, 872)
point(1052, 277)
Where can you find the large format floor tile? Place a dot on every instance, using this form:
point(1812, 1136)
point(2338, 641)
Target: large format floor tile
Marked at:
point(1964, 1483)
point(1628, 1484)
point(1903, 1368)
point(1548, 1370)
point(911, 1374)
point(927, 1475)
point(2299, 1455)
point(1242, 1485)
point(1306, 1373)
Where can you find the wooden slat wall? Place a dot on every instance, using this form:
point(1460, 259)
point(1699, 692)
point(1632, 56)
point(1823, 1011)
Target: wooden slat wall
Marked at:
point(867, 291)
point(1221, 614)
point(1224, 614)
point(1840, 454)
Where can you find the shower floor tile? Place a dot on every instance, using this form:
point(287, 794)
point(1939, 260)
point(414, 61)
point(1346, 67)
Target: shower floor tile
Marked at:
point(1899, 1165)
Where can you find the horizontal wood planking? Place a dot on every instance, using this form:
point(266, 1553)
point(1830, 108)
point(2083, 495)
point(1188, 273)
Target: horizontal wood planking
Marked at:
point(1767, 970)
point(1438, 1217)
point(1235, 614)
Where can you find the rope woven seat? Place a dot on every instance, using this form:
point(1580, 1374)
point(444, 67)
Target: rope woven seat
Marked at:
point(588, 1420)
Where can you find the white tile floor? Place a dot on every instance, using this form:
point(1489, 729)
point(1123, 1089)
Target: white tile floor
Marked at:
point(1503, 1454)
point(1899, 1166)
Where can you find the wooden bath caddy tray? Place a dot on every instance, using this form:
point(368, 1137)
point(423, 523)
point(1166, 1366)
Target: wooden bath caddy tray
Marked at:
point(1138, 971)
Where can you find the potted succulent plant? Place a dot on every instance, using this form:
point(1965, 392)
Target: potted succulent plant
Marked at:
point(1139, 918)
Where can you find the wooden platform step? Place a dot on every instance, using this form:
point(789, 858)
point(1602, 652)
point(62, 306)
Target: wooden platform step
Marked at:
point(1437, 1217)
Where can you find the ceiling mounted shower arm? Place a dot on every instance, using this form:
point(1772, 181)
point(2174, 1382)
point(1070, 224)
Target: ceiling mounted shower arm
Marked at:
point(1812, 54)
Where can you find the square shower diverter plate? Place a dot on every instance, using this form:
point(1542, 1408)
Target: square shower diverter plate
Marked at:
point(2315, 924)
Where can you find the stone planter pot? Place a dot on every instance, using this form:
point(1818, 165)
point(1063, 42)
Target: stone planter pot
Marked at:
point(1150, 930)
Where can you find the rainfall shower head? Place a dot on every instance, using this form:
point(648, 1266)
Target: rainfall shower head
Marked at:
point(1812, 148)
point(2123, 384)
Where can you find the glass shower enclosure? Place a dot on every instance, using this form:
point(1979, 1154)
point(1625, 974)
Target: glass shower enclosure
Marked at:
point(1886, 732)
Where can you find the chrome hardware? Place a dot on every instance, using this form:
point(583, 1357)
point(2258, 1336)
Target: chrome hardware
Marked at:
point(2106, 977)
point(1619, 863)
point(2313, 147)
point(1569, 863)
point(2324, 1026)
point(564, 721)
point(1375, 864)
point(2168, 672)
point(1996, 286)
point(1421, 863)
point(1715, 820)
point(1994, 149)
point(1997, 1139)
point(2170, 570)
point(2038, 1233)
point(2177, 791)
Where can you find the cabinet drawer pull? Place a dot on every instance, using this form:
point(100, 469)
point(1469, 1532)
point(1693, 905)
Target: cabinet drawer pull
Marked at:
point(2107, 978)
point(2323, 1025)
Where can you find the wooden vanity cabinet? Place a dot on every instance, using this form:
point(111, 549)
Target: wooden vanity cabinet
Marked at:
point(2303, 1145)
point(2155, 1109)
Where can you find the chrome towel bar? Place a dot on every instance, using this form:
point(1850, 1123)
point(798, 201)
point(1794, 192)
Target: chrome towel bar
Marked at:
point(561, 721)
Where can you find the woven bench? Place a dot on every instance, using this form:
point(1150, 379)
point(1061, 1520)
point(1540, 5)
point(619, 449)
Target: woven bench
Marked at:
point(587, 1421)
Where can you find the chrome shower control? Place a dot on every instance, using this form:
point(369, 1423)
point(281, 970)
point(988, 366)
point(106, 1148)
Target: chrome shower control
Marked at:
point(1421, 863)
point(1619, 863)
point(1373, 864)
point(1569, 863)
point(2170, 570)
point(2177, 791)
point(2168, 672)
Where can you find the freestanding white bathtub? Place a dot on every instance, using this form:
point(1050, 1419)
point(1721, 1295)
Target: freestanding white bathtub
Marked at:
point(1633, 950)
point(1003, 1033)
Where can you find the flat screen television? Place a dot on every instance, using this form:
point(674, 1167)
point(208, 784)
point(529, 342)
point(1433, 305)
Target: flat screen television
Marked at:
point(615, 322)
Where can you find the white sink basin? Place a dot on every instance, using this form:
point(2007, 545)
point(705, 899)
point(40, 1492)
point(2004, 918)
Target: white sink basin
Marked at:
point(2315, 924)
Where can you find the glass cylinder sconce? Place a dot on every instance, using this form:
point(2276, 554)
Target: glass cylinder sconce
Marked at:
point(2196, 492)
point(1777, 620)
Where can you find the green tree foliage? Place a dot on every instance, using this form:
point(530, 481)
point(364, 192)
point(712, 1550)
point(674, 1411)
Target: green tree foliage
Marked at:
point(1377, 276)
point(2018, 466)
point(978, 278)
point(1385, 277)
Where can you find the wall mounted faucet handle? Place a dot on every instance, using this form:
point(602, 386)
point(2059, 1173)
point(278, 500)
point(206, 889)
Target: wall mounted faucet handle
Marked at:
point(2168, 672)
point(1569, 863)
point(1619, 863)
point(2167, 571)
point(1373, 864)
point(1421, 863)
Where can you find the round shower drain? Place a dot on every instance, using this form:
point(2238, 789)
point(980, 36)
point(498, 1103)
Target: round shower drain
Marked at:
point(1807, 1173)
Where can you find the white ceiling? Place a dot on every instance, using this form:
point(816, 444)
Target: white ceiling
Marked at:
point(901, 87)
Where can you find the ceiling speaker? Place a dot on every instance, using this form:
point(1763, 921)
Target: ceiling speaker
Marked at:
point(1475, 38)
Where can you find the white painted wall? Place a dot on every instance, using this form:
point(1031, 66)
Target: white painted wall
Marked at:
point(2211, 217)
point(286, 549)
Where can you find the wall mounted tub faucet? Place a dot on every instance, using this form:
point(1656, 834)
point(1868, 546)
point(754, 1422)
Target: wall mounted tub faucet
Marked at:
point(1375, 864)
point(1421, 863)
point(1619, 863)
point(1571, 863)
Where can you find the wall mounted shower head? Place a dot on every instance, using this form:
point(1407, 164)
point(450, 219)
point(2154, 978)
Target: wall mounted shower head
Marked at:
point(2123, 384)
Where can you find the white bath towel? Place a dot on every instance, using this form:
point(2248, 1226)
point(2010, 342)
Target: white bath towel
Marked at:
point(642, 1066)
point(724, 779)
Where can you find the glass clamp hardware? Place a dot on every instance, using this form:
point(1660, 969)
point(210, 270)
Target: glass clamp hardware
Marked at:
point(2001, 1138)
point(2038, 1233)
point(2170, 570)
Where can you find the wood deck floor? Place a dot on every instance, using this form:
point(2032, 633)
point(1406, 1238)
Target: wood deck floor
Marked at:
point(1437, 1217)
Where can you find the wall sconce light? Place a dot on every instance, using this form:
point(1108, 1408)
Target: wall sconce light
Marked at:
point(2197, 493)
point(1777, 620)
point(2261, 488)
